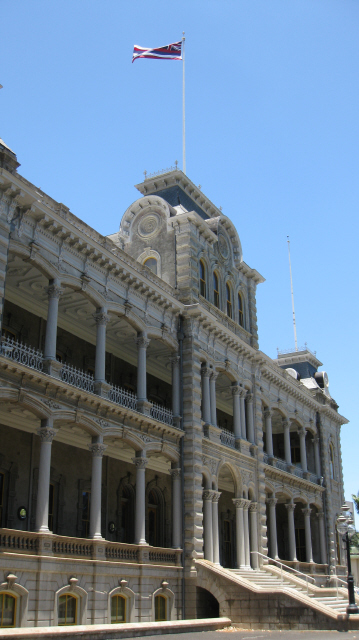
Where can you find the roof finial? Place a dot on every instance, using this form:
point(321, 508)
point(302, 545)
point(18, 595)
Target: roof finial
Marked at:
point(145, 173)
point(176, 164)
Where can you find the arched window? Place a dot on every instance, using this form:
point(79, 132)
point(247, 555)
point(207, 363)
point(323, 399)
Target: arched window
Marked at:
point(67, 610)
point(151, 263)
point(229, 300)
point(160, 608)
point(215, 290)
point(7, 610)
point(240, 310)
point(118, 609)
point(331, 461)
point(202, 278)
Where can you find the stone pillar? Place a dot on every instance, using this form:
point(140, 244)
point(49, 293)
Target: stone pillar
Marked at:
point(254, 534)
point(47, 434)
point(239, 503)
point(308, 535)
point(317, 456)
point(322, 538)
point(140, 511)
point(303, 452)
point(247, 557)
point(250, 423)
point(291, 531)
point(273, 527)
point(51, 366)
point(176, 508)
point(269, 436)
point(212, 393)
point(175, 362)
point(97, 449)
point(243, 414)
point(142, 403)
point(208, 525)
point(206, 401)
point(236, 391)
point(101, 319)
point(287, 451)
point(216, 497)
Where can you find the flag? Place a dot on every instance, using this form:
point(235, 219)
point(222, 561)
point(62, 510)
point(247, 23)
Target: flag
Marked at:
point(169, 52)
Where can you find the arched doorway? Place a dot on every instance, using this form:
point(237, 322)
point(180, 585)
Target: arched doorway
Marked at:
point(207, 605)
point(227, 518)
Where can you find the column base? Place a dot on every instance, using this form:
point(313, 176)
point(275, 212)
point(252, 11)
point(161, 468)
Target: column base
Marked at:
point(306, 475)
point(101, 388)
point(177, 421)
point(45, 544)
point(143, 406)
point(52, 367)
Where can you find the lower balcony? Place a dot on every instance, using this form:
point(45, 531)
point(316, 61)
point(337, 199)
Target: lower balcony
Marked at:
point(290, 468)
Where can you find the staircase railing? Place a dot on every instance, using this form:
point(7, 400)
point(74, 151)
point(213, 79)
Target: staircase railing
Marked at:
point(286, 568)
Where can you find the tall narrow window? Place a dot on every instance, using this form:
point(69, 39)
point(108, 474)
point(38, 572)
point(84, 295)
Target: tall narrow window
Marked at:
point(67, 610)
point(86, 500)
point(2, 479)
point(331, 461)
point(202, 278)
point(229, 300)
point(240, 311)
point(151, 263)
point(160, 608)
point(7, 610)
point(118, 609)
point(215, 290)
point(51, 507)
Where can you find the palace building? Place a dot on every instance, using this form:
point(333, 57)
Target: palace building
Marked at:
point(152, 458)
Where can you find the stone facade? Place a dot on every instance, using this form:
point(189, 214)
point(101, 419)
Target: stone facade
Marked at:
point(141, 428)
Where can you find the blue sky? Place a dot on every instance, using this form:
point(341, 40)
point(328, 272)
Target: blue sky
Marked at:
point(272, 104)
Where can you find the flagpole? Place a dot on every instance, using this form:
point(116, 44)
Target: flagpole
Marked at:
point(183, 111)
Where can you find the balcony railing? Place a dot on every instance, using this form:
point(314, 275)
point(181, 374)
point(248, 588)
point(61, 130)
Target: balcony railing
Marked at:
point(283, 465)
point(77, 378)
point(161, 414)
point(123, 397)
point(228, 438)
point(22, 353)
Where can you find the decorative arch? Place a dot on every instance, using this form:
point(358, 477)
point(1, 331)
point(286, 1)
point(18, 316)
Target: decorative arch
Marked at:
point(143, 206)
point(72, 589)
point(13, 588)
point(124, 591)
point(236, 475)
point(165, 591)
point(148, 254)
point(228, 225)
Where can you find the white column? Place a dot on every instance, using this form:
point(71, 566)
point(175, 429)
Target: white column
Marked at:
point(250, 422)
point(269, 436)
point(215, 499)
point(247, 557)
point(322, 538)
point(208, 525)
point(273, 527)
point(243, 414)
point(101, 319)
point(236, 391)
point(206, 401)
point(287, 451)
point(308, 535)
point(47, 434)
point(54, 292)
point(303, 453)
point(212, 392)
point(176, 508)
point(238, 502)
point(175, 362)
point(140, 510)
point(142, 344)
point(291, 531)
point(97, 449)
point(317, 456)
point(254, 534)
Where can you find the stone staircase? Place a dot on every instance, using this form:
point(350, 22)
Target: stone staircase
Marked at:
point(268, 580)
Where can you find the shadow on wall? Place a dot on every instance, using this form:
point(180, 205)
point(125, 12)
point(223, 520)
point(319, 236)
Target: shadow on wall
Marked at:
point(207, 605)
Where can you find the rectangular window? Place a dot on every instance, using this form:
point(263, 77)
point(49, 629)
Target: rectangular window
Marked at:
point(67, 609)
point(86, 500)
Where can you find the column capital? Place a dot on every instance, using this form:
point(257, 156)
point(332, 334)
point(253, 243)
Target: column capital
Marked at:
point(315, 440)
point(54, 291)
point(214, 375)
point(175, 473)
point(268, 412)
point(307, 511)
point(174, 360)
point(286, 423)
point(236, 390)
point(239, 503)
point(206, 372)
point(302, 432)
point(320, 515)
point(47, 434)
point(142, 342)
point(243, 392)
point(97, 449)
point(101, 317)
point(140, 463)
point(208, 495)
point(246, 505)
point(250, 397)
point(290, 506)
point(272, 501)
point(253, 506)
point(216, 496)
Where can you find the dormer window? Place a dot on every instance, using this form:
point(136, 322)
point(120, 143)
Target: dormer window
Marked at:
point(202, 278)
point(151, 263)
point(240, 311)
point(215, 290)
point(229, 300)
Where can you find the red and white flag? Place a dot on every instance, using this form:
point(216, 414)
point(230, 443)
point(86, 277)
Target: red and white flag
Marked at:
point(169, 52)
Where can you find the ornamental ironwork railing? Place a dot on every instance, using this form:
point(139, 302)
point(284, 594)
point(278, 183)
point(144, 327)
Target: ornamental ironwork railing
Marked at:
point(77, 378)
point(21, 353)
point(123, 397)
point(161, 414)
point(228, 438)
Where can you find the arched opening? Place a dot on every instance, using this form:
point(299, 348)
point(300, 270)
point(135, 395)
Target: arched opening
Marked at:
point(202, 279)
point(299, 528)
point(224, 402)
point(67, 610)
point(216, 298)
point(315, 532)
point(118, 609)
point(229, 301)
point(7, 610)
point(160, 608)
point(151, 263)
point(155, 518)
point(127, 514)
point(240, 310)
point(207, 605)
point(227, 518)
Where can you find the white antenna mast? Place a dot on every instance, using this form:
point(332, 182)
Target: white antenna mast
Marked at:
point(291, 288)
